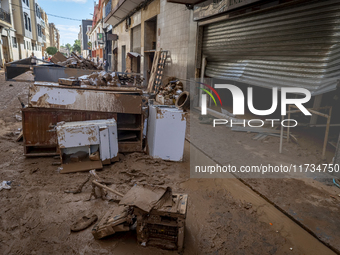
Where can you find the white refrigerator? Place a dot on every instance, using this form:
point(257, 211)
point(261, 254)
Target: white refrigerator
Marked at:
point(166, 132)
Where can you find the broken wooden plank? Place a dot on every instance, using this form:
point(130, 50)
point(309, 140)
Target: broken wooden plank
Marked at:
point(80, 166)
point(107, 188)
point(20, 136)
point(123, 137)
point(69, 81)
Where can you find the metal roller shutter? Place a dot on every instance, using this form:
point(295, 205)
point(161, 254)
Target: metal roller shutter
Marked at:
point(294, 45)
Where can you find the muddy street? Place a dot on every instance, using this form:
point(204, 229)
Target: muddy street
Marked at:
point(224, 216)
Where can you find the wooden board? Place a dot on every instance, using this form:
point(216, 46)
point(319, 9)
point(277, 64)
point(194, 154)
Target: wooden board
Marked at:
point(153, 71)
point(81, 166)
point(160, 70)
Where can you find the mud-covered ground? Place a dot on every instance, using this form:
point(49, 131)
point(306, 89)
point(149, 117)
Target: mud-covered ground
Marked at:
point(36, 213)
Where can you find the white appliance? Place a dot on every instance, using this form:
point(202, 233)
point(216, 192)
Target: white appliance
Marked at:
point(87, 136)
point(166, 132)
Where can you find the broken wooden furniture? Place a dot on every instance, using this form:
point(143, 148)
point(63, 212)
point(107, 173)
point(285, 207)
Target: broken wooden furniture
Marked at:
point(50, 103)
point(37, 123)
point(79, 140)
point(118, 219)
point(160, 215)
point(163, 227)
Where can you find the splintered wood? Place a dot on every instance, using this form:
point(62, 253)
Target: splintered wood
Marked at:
point(157, 70)
point(77, 62)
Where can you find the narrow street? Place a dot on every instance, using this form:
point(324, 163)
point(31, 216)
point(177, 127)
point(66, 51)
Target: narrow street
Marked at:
point(189, 127)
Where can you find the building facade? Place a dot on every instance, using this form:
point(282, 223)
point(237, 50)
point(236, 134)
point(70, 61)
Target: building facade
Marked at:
point(54, 36)
point(30, 29)
point(96, 34)
point(9, 47)
point(46, 35)
point(23, 27)
point(38, 26)
point(86, 26)
point(160, 25)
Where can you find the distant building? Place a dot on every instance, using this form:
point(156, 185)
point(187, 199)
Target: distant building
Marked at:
point(96, 34)
point(86, 26)
point(46, 35)
point(23, 25)
point(38, 24)
point(9, 46)
point(54, 36)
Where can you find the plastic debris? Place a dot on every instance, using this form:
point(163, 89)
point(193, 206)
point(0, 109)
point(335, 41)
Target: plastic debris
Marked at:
point(5, 185)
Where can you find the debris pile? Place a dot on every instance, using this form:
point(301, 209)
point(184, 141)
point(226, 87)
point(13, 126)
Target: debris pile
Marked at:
point(100, 79)
point(79, 62)
point(168, 94)
point(157, 215)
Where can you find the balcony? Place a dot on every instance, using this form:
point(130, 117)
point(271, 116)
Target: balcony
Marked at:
point(5, 16)
point(108, 8)
point(121, 10)
point(44, 38)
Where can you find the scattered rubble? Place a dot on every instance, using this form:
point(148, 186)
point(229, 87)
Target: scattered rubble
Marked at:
point(76, 62)
point(5, 185)
point(168, 94)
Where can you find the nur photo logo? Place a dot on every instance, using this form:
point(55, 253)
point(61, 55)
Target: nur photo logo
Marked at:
point(239, 104)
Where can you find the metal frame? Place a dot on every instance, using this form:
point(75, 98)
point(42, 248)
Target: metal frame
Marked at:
point(313, 111)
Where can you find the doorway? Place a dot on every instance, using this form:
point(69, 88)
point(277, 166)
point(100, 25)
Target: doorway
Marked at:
point(5, 48)
point(150, 39)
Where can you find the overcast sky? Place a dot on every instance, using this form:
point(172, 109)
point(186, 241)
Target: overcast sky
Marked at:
point(75, 9)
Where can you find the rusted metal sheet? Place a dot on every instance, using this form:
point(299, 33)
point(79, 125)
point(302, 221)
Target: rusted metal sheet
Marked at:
point(42, 95)
point(38, 121)
point(211, 7)
point(53, 73)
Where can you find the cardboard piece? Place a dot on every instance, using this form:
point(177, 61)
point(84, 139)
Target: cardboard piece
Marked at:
point(58, 57)
point(80, 166)
point(144, 197)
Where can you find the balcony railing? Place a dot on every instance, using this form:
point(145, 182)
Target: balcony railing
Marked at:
point(108, 8)
point(5, 16)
